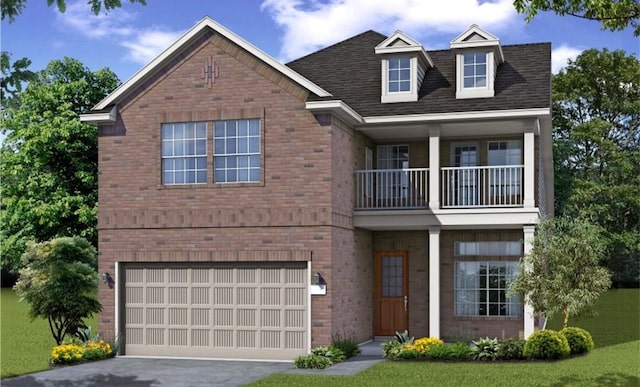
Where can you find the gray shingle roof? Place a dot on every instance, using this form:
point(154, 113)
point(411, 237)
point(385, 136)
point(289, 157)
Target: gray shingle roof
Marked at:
point(350, 70)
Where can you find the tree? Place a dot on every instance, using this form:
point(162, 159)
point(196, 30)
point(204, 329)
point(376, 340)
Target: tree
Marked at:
point(13, 8)
point(50, 159)
point(60, 282)
point(561, 274)
point(612, 15)
point(596, 120)
point(13, 76)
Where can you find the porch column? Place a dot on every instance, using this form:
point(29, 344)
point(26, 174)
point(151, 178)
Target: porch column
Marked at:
point(434, 282)
point(529, 169)
point(434, 169)
point(529, 317)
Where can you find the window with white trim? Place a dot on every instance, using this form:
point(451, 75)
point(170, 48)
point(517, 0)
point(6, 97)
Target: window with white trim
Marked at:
point(474, 74)
point(480, 288)
point(184, 153)
point(399, 74)
point(236, 151)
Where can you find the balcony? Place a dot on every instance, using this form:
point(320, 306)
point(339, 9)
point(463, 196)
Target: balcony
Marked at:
point(460, 187)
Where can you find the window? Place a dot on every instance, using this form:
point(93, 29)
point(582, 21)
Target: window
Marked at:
point(236, 151)
point(495, 248)
point(392, 177)
point(399, 75)
point(184, 153)
point(480, 289)
point(475, 70)
point(506, 180)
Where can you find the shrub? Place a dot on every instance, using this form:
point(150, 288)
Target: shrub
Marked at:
point(546, 344)
point(348, 346)
point(510, 349)
point(312, 361)
point(579, 340)
point(438, 352)
point(67, 354)
point(460, 351)
point(334, 354)
point(408, 353)
point(391, 349)
point(485, 349)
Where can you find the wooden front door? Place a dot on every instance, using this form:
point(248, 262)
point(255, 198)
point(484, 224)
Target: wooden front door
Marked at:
point(391, 292)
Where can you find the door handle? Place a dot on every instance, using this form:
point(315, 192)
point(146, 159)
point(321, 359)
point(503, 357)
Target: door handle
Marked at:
point(406, 301)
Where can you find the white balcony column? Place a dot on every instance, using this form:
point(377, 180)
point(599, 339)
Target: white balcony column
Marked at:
point(529, 169)
point(434, 282)
point(529, 317)
point(434, 169)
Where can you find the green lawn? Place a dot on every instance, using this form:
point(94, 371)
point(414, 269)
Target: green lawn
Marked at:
point(614, 362)
point(25, 345)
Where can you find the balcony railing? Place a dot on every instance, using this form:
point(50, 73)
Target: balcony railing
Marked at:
point(391, 189)
point(499, 186)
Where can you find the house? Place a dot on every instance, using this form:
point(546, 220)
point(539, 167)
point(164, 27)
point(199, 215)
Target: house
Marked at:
point(250, 209)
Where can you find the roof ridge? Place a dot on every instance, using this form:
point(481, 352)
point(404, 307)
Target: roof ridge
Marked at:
point(342, 42)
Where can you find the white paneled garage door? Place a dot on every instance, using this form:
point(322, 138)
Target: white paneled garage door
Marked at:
point(236, 311)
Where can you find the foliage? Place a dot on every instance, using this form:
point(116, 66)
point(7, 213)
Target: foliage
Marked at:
point(455, 351)
point(612, 15)
point(485, 349)
point(50, 160)
point(67, 354)
point(59, 282)
point(403, 337)
point(579, 340)
point(391, 349)
point(546, 344)
point(12, 8)
point(348, 346)
point(510, 349)
point(13, 75)
point(596, 120)
point(333, 353)
point(312, 361)
point(561, 274)
point(423, 344)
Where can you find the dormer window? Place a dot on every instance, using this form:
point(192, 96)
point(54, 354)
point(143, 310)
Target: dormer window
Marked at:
point(478, 55)
point(404, 63)
point(399, 75)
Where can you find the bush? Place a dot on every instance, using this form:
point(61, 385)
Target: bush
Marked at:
point(423, 344)
point(547, 345)
point(460, 351)
point(334, 353)
point(391, 349)
point(348, 346)
point(579, 340)
point(312, 361)
point(485, 349)
point(510, 349)
point(67, 354)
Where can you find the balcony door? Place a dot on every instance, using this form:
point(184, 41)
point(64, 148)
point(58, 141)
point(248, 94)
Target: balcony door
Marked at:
point(393, 178)
point(465, 182)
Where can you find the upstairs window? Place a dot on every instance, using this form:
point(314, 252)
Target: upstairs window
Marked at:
point(184, 153)
point(474, 70)
point(399, 75)
point(236, 151)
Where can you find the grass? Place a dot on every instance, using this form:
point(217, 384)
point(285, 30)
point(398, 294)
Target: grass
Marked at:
point(25, 345)
point(614, 362)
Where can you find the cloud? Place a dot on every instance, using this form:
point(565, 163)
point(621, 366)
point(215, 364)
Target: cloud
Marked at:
point(311, 25)
point(560, 56)
point(118, 25)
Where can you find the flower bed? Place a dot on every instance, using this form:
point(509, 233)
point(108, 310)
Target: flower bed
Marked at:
point(75, 352)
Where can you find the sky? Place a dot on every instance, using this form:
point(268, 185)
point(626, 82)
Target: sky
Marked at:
point(126, 39)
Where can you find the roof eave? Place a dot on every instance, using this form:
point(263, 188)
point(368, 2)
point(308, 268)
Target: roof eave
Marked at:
point(337, 108)
point(98, 118)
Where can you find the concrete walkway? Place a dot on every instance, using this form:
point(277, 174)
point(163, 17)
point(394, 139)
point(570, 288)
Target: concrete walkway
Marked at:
point(143, 372)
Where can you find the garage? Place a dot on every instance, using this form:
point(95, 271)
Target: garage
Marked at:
point(216, 310)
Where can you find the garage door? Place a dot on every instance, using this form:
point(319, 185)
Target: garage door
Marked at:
point(235, 311)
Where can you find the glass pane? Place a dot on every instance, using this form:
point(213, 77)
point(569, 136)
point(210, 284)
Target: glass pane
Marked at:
point(167, 131)
point(179, 164)
point(190, 131)
point(394, 87)
point(219, 147)
point(481, 58)
point(394, 75)
point(243, 175)
point(220, 162)
point(168, 178)
point(254, 161)
point(201, 163)
point(243, 145)
point(254, 145)
point(190, 177)
point(232, 162)
point(481, 82)
point(254, 127)
point(481, 70)
point(167, 164)
point(178, 148)
point(167, 148)
point(405, 86)
point(468, 82)
point(243, 162)
point(404, 62)
point(405, 75)
point(468, 71)
point(201, 130)
point(191, 163)
point(178, 131)
point(254, 175)
point(394, 63)
point(219, 129)
point(201, 147)
point(243, 127)
point(231, 129)
point(219, 176)
point(179, 178)
point(202, 176)
point(469, 58)
point(231, 176)
point(231, 145)
point(190, 147)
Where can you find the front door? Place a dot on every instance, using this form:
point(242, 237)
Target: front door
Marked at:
point(391, 292)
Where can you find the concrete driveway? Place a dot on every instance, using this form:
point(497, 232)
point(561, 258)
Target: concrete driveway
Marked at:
point(136, 372)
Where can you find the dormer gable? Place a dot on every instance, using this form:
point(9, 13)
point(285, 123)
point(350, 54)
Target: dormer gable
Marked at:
point(404, 63)
point(478, 55)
